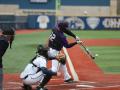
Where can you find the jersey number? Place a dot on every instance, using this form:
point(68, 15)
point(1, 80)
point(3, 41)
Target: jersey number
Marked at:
point(52, 37)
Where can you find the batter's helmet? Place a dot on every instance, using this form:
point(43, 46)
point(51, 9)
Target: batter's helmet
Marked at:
point(63, 24)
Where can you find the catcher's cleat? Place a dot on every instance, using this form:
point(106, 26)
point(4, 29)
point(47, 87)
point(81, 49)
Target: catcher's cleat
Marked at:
point(26, 87)
point(41, 88)
point(69, 81)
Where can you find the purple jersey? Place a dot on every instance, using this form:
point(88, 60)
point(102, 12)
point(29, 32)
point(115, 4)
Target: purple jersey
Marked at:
point(57, 40)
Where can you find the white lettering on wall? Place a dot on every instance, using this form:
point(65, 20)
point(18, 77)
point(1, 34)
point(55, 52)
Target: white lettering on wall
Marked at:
point(111, 23)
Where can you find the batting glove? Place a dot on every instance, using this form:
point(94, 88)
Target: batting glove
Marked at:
point(78, 40)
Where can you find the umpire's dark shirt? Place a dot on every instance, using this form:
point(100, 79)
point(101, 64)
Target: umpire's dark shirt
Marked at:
point(3, 47)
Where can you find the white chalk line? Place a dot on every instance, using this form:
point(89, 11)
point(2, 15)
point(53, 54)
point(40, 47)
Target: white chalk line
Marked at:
point(13, 88)
point(74, 74)
point(19, 83)
point(85, 86)
point(78, 85)
point(14, 83)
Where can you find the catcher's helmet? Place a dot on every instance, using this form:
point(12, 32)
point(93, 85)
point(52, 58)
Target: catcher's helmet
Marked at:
point(42, 50)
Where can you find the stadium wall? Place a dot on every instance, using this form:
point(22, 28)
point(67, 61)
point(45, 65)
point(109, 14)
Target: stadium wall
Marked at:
point(26, 4)
point(102, 14)
point(92, 23)
point(67, 7)
point(85, 2)
point(85, 11)
point(48, 22)
point(41, 21)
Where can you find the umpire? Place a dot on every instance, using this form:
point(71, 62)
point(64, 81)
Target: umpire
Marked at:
point(6, 39)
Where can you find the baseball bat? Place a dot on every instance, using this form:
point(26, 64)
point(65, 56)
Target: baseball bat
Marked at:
point(87, 51)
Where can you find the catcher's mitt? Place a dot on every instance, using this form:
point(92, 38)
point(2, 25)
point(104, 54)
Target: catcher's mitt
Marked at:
point(61, 58)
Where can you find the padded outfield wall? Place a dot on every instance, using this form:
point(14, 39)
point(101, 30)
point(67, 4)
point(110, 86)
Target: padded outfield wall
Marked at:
point(80, 23)
point(75, 23)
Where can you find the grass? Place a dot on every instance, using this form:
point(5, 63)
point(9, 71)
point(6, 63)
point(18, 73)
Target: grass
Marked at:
point(24, 48)
point(98, 34)
point(108, 58)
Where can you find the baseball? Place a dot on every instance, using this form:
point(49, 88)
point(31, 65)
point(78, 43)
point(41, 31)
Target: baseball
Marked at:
point(85, 12)
point(96, 55)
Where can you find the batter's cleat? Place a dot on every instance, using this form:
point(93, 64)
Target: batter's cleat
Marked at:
point(26, 87)
point(69, 81)
point(41, 88)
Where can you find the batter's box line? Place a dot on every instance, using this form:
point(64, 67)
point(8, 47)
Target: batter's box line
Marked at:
point(97, 87)
point(14, 83)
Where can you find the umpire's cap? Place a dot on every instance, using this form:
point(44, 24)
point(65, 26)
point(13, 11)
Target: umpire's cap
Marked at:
point(8, 31)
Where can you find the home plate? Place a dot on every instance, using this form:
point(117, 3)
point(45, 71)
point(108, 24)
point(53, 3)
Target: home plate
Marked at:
point(85, 86)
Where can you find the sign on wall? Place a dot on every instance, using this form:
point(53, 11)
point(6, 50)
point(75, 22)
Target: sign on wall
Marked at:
point(75, 23)
point(93, 23)
point(41, 21)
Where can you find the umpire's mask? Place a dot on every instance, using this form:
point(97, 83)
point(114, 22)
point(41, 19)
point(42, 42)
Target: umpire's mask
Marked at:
point(10, 32)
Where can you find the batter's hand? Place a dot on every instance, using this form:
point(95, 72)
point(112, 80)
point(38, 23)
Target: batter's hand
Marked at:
point(78, 40)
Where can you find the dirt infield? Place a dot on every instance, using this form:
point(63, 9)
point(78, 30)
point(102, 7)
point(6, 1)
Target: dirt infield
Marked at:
point(90, 75)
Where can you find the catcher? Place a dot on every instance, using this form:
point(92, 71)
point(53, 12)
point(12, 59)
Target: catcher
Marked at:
point(36, 71)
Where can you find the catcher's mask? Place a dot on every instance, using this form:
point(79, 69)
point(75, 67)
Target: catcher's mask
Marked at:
point(42, 50)
point(10, 32)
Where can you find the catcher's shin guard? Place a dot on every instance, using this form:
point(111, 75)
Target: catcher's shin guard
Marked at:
point(44, 82)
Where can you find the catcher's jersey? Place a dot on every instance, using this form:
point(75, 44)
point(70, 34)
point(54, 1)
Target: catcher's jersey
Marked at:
point(31, 69)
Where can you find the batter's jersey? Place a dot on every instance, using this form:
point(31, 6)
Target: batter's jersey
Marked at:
point(57, 40)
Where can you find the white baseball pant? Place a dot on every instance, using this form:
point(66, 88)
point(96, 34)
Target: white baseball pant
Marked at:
point(55, 64)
